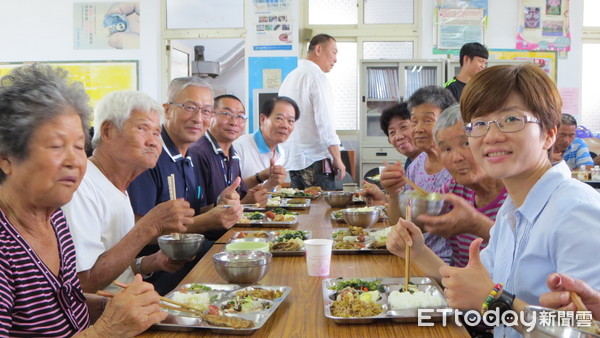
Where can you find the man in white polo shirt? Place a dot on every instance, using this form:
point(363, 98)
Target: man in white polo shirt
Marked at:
point(262, 158)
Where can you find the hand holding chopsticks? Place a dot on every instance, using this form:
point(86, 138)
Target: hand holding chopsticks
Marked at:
point(179, 306)
point(131, 311)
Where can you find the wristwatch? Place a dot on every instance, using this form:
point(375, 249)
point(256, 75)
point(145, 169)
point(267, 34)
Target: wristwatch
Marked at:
point(503, 303)
point(257, 177)
point(138, 268)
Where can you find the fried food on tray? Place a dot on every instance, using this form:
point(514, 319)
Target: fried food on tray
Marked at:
point(254, 234)
point(260, 293)
point(349, 304)
point(313, 190)
point(226, 321)
point(298, 201)
point(347, 245)
point(355, 231)
point(294, 244)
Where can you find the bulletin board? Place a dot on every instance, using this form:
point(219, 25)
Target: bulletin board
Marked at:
point(544, 25)
point(98, 77)
point(457, 22)
point(547, 60)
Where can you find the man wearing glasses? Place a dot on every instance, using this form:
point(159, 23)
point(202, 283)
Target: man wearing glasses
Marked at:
point(187, 116)
point(216, 159)
point(569, 148)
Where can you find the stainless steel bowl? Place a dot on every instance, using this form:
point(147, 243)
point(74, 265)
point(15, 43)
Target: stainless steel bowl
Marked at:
point(430, 204)
point(548, 329)
point(250, 239)
point(361, 218)
point(338, 199)
point(242, 266)
point(181, 246)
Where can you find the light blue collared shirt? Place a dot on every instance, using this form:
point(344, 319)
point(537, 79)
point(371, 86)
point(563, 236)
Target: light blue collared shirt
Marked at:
point(555, 230)
point(261, 144)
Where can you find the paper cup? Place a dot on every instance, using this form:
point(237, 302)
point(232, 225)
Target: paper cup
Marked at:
point(318, 256)
point(349, 187)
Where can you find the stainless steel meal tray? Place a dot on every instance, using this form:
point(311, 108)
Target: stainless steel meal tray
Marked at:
point(389, 285)
point(382, 216)
point(180, 321)
point(269, 224)
point(368, 244)
point(283, 203)
point(271, 237)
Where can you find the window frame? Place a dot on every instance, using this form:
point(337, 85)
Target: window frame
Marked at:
point(361, 33)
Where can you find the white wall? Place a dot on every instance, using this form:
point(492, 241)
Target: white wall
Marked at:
point(231, 82)
point(42, 30)
point(502, 31)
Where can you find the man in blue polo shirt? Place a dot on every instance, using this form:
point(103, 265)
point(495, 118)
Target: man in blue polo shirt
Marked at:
point(217, 161)
point(187, 115)
point(569, 148)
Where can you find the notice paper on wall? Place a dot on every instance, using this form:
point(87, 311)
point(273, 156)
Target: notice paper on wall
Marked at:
point(106, 25)
point(271, 25)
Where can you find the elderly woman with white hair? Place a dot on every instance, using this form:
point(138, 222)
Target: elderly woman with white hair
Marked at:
point(43, 124)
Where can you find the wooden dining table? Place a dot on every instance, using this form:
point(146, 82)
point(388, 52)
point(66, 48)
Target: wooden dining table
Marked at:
point(302, 314)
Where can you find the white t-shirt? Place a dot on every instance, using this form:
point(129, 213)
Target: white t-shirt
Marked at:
point(254, 154)
point(314, 131)
point(99, 216)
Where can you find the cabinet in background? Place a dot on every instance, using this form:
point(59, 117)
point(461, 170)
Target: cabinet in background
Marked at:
point(385, 83)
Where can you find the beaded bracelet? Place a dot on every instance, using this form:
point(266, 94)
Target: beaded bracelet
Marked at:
point(491, 297)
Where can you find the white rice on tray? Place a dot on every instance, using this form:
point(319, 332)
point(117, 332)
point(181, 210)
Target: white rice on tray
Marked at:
point(199, 301)
point(418, 299)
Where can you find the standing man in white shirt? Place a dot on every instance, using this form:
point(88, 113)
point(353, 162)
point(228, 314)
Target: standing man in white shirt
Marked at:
point(314, 148)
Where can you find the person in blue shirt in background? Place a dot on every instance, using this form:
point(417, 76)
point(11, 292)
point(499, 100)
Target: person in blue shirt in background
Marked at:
point(570, 148)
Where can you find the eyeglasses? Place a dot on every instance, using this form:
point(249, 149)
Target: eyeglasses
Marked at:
point(239, 117)
point(506, 124)
point(193, 109)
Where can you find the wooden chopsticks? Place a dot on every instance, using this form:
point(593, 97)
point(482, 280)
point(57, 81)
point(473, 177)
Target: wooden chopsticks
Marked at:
point(415, 186)
point(581, 307)
point(180, 306)
point(173, 196)
point(407, 253)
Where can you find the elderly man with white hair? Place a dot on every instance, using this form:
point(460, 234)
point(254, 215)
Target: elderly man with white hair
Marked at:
point(107, 238)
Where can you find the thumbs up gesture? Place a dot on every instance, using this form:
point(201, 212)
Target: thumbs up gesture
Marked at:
point(230, 194)
point(277, 175)
point(467, 288)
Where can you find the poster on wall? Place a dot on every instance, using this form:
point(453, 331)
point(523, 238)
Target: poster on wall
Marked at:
point(271, 25)
point(98, 77)
point(546, 60)
point(458, 22)
point(544, 25)
point(106, 25)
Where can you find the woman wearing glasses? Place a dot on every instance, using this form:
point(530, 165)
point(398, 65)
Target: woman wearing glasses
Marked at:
point(548, 222)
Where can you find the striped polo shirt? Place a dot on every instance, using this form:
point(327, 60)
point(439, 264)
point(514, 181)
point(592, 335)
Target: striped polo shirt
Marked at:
point(33, 301)
point(460, 243)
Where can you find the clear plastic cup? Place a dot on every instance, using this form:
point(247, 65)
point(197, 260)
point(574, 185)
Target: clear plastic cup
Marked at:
point(318, 256)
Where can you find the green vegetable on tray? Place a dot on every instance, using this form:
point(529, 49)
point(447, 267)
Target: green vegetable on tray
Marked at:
point(283, 211)
point(286, 235)
point(358, 284)
point(199, 287)
point(256, 216)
